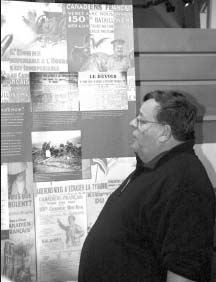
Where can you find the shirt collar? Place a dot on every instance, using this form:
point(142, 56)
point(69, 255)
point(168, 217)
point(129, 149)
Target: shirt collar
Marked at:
point(152, 164)
point(185, 146)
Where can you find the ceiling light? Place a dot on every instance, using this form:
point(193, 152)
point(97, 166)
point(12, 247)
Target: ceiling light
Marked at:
point(187, 2)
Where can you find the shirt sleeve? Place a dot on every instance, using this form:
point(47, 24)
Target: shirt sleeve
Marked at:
point(188, 240)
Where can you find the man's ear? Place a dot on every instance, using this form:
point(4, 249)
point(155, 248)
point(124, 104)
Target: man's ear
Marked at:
point(165, 133)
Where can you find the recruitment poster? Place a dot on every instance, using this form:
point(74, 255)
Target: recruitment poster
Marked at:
point(67, 97)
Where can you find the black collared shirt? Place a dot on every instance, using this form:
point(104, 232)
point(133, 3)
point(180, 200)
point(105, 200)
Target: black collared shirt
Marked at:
point(162, 220)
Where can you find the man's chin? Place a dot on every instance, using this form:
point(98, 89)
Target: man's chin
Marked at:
point(134, 147)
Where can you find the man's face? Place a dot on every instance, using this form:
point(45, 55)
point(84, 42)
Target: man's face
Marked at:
point(118, 49)
point(71, 220)
point(146, 134)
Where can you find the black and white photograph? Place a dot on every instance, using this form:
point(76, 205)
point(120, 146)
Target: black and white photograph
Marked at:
point(56, 155)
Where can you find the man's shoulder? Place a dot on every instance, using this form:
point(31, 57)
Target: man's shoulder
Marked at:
point(183, 160)
point(190, 173)
point(185, 167)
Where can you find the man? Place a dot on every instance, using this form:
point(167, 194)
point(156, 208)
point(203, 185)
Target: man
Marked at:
point(118, 61)
point(158, 225)
point(73, 231)
point(17, 178)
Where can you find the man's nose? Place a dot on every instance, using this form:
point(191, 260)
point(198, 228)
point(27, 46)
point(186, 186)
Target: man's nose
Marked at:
point(133, 123)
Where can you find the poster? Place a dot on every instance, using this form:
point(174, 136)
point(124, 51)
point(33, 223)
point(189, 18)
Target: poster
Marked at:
point(100, 39)
point(107, 175)
point(15, 132)
point(119, 169)
point(18, 251)
point(68, 95)
point(61, 226)
point(34, 40)
point(4, 203)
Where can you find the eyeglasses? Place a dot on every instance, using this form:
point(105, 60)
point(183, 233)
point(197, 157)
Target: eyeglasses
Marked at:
point(140, 121)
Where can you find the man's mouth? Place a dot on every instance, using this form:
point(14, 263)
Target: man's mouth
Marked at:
point(134, 134)
point(133, 141)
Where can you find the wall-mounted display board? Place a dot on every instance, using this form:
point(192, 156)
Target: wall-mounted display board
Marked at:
point(67, 97)
point(183, 60)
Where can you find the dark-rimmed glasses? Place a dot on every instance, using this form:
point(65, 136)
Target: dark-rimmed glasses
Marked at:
point(140, 121)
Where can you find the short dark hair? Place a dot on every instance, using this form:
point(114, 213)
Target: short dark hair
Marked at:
point(177, 111)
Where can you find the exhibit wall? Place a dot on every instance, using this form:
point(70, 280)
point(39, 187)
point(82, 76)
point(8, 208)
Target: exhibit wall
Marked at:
point(67, 97)
point(183, 60)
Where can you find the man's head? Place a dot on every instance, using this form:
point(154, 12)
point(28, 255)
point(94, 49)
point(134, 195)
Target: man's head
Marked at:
point(71, 219)
point(166, 119)
point(118, 47)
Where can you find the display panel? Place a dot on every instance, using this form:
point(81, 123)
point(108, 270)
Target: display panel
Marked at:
point(68, 95)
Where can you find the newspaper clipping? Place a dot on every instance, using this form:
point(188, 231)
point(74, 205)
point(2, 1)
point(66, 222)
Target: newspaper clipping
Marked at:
point(103, 91)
